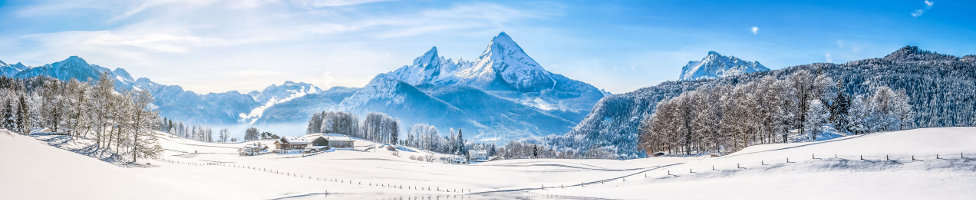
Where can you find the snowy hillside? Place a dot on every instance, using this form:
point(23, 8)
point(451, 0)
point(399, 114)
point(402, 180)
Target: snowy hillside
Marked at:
point(301, 108)
point(276, 94)
point(715, 65)
point(816, 170)
point(517, 97)
point(940, 89)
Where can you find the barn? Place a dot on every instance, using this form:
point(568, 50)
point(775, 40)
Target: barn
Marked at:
point(330, 140)
point(291, 143)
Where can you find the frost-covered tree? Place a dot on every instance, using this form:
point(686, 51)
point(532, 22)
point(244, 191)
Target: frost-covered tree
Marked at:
point(839, 108)
point(890, 110)
point(337, 122)
point(142, 126)
point(379, 127)
point(224, 134)
point(426, 137)
point(53, 104)
point(251, 134)
point(817, 115)
point(461, 150)
point(394, 132)
point(314, 124)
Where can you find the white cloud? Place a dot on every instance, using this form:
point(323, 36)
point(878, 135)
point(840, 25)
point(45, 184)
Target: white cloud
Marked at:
point(919, 12)
point(326, 81)
point(840, 43)
point(828, 58)
point(755, 30)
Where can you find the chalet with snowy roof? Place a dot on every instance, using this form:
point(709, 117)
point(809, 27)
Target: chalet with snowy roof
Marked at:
point(478, 155)
point(291, 143)
point(330, 140)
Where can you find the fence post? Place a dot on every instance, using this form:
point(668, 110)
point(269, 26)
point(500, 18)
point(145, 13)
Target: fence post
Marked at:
point(937, 156)
point(862, 156)
point(913, 157)
point(886, 157)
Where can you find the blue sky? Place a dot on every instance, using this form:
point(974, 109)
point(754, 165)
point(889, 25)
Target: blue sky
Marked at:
point(221, 45)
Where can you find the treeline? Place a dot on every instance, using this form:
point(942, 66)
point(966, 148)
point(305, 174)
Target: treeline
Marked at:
point(252, 134)
point(382, 128)
point(722, 118)
point(194, 132)
point(377, 127)
point(121, 124)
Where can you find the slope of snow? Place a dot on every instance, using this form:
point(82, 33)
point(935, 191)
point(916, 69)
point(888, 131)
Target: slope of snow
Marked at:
point(34, 170)
point(715, 65)
point(276, 94)
point(214, 171)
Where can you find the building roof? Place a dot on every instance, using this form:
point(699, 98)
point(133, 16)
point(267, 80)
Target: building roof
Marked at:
point(295, 140)
point(329, 136)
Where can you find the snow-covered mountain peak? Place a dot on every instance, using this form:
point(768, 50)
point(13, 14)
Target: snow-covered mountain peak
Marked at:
point(503, 49)
point(429, 60)
point(429, 68)
point(504, 58)
point(715, 65)
point(19, 65)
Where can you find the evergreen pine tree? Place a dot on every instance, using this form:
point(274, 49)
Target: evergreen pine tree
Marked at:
point(9, 118)
point(23, 116)
point(839, 110)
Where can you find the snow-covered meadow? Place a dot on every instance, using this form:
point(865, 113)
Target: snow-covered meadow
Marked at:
point(832, 169)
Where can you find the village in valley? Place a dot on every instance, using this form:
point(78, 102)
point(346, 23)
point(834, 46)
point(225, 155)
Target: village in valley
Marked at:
point(316, 143)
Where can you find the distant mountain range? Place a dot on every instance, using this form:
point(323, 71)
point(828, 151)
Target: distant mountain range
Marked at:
point(715, 65)
point(172, 101)
point(502, 95)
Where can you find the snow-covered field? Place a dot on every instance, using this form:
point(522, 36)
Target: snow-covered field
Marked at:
point(32, 169)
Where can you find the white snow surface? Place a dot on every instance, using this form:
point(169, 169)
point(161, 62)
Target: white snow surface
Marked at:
point(32, 169)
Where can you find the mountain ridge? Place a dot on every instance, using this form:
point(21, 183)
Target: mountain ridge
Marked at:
point(715, 65)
